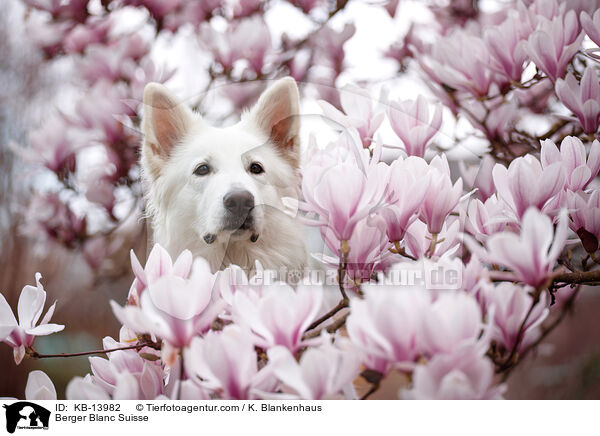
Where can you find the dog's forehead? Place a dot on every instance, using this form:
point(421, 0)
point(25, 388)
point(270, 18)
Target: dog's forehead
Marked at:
point(225, 141)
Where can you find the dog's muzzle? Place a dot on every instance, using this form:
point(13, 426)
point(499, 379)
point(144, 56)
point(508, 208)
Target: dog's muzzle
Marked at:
point(238, 210)
point(238, 207)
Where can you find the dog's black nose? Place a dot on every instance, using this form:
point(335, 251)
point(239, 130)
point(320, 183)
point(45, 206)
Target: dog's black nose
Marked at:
point(238, 202)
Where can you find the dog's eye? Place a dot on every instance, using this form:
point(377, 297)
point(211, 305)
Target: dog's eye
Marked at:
point(202, 170)
point(256, 168)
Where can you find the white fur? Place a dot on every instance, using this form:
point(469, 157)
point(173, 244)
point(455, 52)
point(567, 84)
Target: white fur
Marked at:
point(184, 207)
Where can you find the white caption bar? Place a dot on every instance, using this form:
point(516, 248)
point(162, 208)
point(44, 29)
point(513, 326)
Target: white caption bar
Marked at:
point(302, 417)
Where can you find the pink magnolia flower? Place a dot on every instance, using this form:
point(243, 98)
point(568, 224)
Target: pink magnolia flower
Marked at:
point(94, 31)
point(157, 8)
point(193, 13)
point(509, 304)
point(83, 388)
point(507, 54)
point(344, 194)
point(452, 321)
point(324, 372)
point(442, 197)
point(147, 375)
point(485, 219)
point(48, 35)
point(49, 216)
point(385, 326)
point(280, 316)
point(159, 264)
point(463, 375)
point(39, 387)
point(100, 112)
point(410, 120)
point(537, 97)
point(406, 193)
point(114, 61)
point(554, 44)
point(358, 112)
point(583, 99)
point(367, 250)
point(460, 61)
point(248, 39)
point(591, 25)
point(473, 274)
point(20, 335)
point(174, 308)
point(480, 177)
point(244, 8)
point(514, 184)
point(226, 362)
point(531, 256)
point(331, 44)
point(418, 239)
point(584, 210)
point(493, 119)
point(55, 145)
point(579, 171)
point(305, 5)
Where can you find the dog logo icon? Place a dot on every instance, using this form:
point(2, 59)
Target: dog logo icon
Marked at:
point(26, 415)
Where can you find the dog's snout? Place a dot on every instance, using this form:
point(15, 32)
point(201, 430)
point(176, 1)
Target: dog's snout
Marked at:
point(238, 202)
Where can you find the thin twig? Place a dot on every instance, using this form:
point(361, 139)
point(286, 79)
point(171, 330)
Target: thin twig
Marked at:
point(342, 304)
point(37, 355)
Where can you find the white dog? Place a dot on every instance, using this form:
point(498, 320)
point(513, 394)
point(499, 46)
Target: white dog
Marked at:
point(218, 191)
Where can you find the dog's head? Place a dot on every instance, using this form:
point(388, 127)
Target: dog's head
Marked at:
point(221, 181)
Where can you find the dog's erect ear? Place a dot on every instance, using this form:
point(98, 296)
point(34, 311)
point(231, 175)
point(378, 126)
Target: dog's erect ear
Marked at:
point(277, 114)
point(165, 123)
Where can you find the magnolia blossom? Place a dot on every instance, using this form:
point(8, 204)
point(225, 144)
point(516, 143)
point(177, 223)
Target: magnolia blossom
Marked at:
point(55, 145)
point(411, 122)
point(84, 388)
point(226, 363)
point(515, 183)
point(358, 112)
point(147, 375)
point(82, 35)
point(248, 39)
point(174, 308)
point(366, 250)
point(324, 372)
point(485, 219)
point(478, 175)
point(20, 335)
point(583, 99)
point(591, 25)
point(554, 44)
point(464, 374)
point(159, 264)
point(579, 171)
point(460, 61)
point(39, 387)
point(584, 211)
point(451, 322)
point(531, 256)
point(280, 316)
point(344, 194)
point(385, 326)
point(418, 240)
point(331, 45)
point(406, 192)
point(442, 197)
point(508, 304)
point(507, 54)
point(484, 180)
